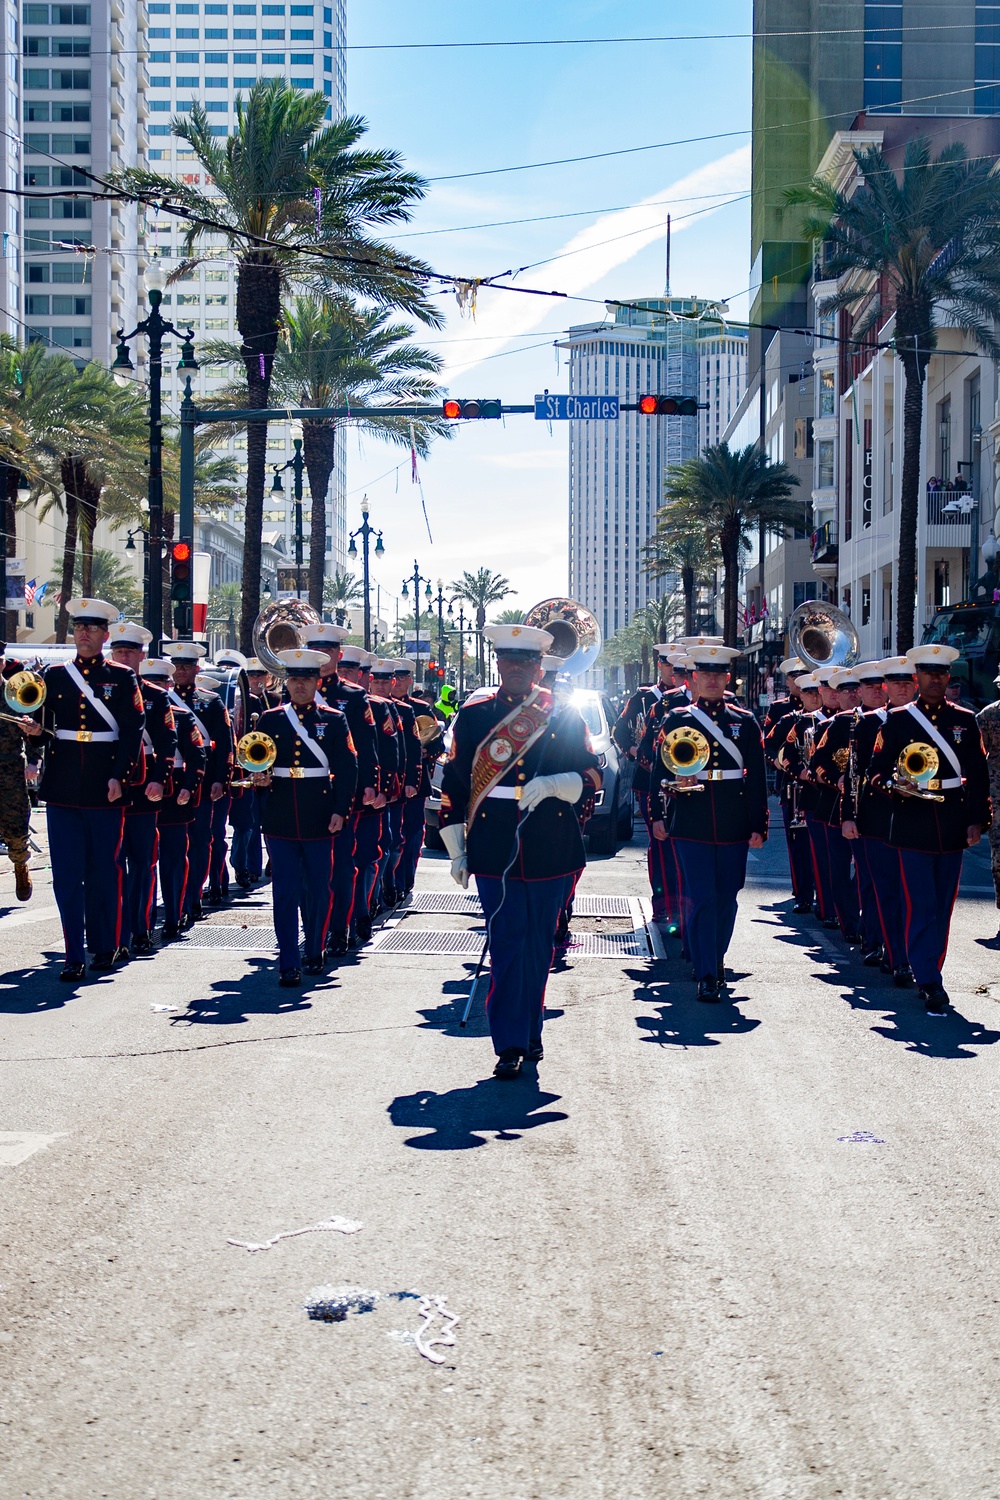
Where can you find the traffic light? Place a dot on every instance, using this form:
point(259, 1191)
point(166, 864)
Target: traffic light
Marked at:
point(457, 411)
point(180, 572)
point(668, 406)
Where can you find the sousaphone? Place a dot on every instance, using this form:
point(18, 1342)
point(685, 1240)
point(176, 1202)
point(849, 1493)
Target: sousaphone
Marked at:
point(576, 634)
point(278, 627)
point(822, 635)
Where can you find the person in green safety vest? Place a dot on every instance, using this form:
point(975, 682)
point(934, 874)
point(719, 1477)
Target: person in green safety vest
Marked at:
point(446, 701)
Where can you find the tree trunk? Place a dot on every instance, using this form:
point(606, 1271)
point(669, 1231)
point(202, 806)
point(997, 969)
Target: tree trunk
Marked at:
point(318, 448)
point(645, 661)
point(88, 500)
point(687, 584)
point(70, 485)
point(258, 316)
point(730, 549)
point(909, 504)
point(10, 549)
point(480, 645)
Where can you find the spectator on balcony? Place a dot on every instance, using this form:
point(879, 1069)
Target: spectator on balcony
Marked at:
point(933, 484)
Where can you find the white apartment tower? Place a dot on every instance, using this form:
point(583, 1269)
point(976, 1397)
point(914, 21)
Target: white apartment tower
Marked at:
point(212, 52)
point(616, 469)
point(722, 381)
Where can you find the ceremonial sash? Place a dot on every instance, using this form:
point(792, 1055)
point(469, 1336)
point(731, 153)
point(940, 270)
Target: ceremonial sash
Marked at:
point(91, 698)
point(508, 740)
point(713, 729)
point(306, 737)
point(940, 742)
point(206, 738)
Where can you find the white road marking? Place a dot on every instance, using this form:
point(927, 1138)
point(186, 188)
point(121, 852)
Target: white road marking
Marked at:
point(17, 1145)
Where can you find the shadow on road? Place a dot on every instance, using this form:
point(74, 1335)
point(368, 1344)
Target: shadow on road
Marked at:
point(465, 1118)
point(907, 1022)
point(27, 992)
point(447, 1016)
point(684, 1021)
point(230, 1002)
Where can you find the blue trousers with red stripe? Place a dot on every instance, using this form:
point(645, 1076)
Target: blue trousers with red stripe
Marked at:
point(391, 845)
point(711, 878)
point(173, 870)
point(662, 870)
point(843, 885)
point(137, 862)
point(799, 858)
point(218, 874)
point(930, 886)
point(367, 852)
point(86, 878)
point(244, 820)
point(820, 852)
point(342, 875)
point(413, 838)
point(522, 929)
point(300, 881)
point(881, 886)
point(199, 851)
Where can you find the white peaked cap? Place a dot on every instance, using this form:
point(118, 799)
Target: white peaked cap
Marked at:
point(301, 659)
point(810, 681)
point(353, 656)
point(92, 609)
point(664, 649)
point(233, 657)
point(324, 635)
point(206, 683)
point(155, 666)
point(254, 664)
point(519, 638)
point(128, 633)
point(792, 665)
point(184, 650)
point(553, 663)
point(869, 671)
point(844, 677)
point(406, 664)
point(933, 656)
point(383, 666)
point(824, 674)
point(897, 666)
point(712, 656)
point(687, 641)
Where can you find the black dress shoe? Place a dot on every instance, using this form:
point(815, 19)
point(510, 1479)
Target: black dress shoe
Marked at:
point(802, 908)
point(721, 976)
point(336, 943)
point(73, 973)
point(142, 947)
point(885, 967)
point(122, 955)
point(853, 939)
point(244, 879)
point(214, 897)
point(254, 876)
point(508, 1064)
point(535, 1052)
point(872, 959)
point(290, 979)
point(172, 933)
point(103, 961)
point(312, 965)
point(186, 922)
point(935, 998)
point(364, 926)
point(830, 923)
point(562, 931)
point(389, 896)
point(902, 977)
point(708, 989)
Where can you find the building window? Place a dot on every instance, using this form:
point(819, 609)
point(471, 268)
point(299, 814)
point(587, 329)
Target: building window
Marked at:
point(824, 465)
point(942, 586)
point(987, 60)
point(827, 391)
point(883, 59)
point(944, 441)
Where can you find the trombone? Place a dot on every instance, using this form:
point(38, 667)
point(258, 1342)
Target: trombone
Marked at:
point(916, 773)
point(256, 752)
point(685, 751)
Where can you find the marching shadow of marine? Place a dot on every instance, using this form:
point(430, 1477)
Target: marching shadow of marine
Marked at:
point(465, 1118)
point(684, 1021)
point(950, 1036)
point(27, 992)
point(231, 1002)
point(447, 1016)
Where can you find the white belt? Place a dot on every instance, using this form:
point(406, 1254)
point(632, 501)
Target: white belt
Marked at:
point(300, 773)
point(508, 793)
point(178, 761)
point(86, 736)
point(947, 785)
point(720, 775)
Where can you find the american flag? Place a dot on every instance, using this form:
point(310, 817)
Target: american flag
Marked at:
point(29, 593)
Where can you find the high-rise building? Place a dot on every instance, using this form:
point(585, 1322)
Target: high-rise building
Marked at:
point(213, 52)
point(722, 381)
point(616, 469)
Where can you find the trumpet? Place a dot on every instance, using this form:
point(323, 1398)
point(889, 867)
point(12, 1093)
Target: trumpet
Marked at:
point(256, 752)
point(916, 772)
point(685, 751)
point(24, 693)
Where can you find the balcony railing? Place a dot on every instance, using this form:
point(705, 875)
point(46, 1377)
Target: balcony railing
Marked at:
point(949, 507)
point(824, 543)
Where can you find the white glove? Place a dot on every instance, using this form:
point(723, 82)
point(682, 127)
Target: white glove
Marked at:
point(567, 785)
point(453, 839)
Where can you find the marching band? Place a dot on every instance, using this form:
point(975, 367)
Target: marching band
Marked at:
point(881, 778)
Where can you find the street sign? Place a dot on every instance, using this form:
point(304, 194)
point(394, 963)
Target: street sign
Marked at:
point(549, 408)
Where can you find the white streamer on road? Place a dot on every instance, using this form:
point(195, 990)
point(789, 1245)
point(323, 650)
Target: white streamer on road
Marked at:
point(338, 1225)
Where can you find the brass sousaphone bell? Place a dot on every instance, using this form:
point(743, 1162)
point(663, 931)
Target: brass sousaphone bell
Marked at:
point(685, 751)
point(917, 772)
point(575, 631)
point(256, 752)
point(822, 635)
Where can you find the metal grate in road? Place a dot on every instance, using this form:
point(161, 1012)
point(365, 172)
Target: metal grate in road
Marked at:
point(460, 944)
point(466, 903)
point(244, 939)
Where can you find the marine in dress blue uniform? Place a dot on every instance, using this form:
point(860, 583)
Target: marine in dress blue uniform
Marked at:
point(712, 828)
point(244, 813)
point(352, 702)
point(628, 734)
point(794, 757)
point(211, 719)
point(778, 722)
point(866, 817)
point(370, 831)
point(180, 801)
point(137, 856)
point(515, 777)
point(431, 748)
point(384, 897)
point(829, 768)
point(312, 786)
point(931, 836)
point(95, 710)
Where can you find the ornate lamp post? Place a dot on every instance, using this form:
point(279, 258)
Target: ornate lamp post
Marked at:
point(155, 327)
point(366, 532)
point(417, 578)
point(296, 463)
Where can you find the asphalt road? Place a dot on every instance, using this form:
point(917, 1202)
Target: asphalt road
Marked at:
point(735, 1251)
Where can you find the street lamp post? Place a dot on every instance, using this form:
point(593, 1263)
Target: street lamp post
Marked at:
point(366, 532)
point(296, 463)
point(417, 578)
point(130, 547)
point(461, 649)
point(155, 327)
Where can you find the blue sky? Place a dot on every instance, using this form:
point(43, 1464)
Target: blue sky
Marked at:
point(497, 495)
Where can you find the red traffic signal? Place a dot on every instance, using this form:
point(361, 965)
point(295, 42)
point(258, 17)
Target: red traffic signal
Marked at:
point(180, 572)
point(181, 552)
point(456, 410)
point(668, 406)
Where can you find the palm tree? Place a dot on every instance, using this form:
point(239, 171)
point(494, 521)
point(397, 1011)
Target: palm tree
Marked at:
point(887, 239)
point(732, 495)
point(508, 617)
point(339, 593)
point(684, 550)
point(295, 202)
point(481, 589)
point(110, 579)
